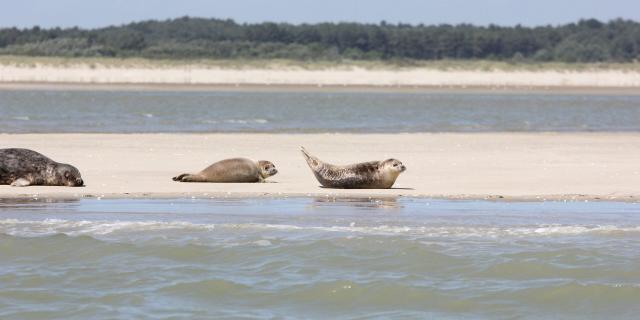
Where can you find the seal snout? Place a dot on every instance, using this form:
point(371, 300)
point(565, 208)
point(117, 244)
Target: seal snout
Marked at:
point(77, 182)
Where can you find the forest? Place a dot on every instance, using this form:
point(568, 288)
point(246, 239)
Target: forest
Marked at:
point(587, 40)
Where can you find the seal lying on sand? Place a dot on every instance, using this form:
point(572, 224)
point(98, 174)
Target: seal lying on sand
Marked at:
point(232, 170)
point(366, 175)
point(24, 167)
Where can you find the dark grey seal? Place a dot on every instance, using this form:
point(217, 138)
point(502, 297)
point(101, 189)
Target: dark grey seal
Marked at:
point(24, 167)
point(365, 175)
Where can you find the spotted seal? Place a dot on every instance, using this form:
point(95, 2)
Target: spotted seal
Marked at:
point(232, 170)
point(24, 167)
point(366, 175)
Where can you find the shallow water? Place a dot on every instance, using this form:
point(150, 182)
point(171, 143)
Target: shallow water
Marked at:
point(318, 258)
point(172, 111)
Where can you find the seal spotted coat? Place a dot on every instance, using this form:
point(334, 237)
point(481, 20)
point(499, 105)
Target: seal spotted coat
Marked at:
point(366, 175)
point(24, 167)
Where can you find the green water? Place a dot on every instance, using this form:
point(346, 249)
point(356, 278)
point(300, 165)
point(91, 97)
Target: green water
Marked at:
point(218, 111)
point(318, 258)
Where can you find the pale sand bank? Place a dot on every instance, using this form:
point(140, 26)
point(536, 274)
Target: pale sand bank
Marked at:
point(347, 77)
point(537, 166)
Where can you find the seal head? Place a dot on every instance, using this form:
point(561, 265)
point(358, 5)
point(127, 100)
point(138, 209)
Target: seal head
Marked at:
point(393, 166)
point(68, 175)
point(267, 169)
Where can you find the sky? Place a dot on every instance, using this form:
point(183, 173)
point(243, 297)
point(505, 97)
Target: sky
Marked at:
point(91, 13)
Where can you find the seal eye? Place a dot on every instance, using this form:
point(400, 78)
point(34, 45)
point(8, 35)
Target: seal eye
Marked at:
point(395, 164)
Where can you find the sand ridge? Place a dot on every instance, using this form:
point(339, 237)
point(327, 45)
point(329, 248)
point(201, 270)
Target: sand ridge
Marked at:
point(353, 76)
point(509, 166)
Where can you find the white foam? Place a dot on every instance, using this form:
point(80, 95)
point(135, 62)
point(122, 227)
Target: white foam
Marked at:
point(263, 243)
point(460, 231)
point(73, 228)
point(243, 121)
point(238, 121)
point(27, 228)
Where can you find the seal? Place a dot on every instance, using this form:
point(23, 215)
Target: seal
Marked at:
point(366, 175)
point(24, 167)
point(232, 170)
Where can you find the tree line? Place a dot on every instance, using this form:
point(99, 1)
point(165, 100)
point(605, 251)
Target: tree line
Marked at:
point(587, 40)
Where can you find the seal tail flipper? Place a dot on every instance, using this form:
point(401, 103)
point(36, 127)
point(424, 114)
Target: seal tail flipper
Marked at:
point(194, 178)
point(311, 160)
point(22, 182)
point(179, 178)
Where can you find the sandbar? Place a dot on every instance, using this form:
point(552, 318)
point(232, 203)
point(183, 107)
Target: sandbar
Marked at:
point(492, 166)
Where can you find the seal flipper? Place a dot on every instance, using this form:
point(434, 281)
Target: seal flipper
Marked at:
point(21, 182)
point(179, 178)
point(192, 178)
point(312, 161)
point(326, 174)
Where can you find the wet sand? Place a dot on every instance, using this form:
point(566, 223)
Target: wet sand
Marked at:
point(163, 87)
point(503, 166)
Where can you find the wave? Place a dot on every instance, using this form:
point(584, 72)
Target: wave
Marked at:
point(27, 228)
point(237, 121)
point(245, 121)
point(47, 227)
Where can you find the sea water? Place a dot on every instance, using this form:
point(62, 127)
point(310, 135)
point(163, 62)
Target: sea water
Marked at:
point(42, 111)
point(346, 258)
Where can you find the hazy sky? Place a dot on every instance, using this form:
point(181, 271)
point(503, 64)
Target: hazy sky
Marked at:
point(91, 13)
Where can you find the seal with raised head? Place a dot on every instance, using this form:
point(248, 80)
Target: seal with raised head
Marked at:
point(232, 170)
point(24, 167)
point(366, 175)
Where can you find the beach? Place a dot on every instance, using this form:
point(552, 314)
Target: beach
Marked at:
point(148, 73)
point(500, 166)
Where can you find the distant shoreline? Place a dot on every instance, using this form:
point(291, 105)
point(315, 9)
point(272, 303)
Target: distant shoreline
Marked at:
point(215, 75)
point(65, 86)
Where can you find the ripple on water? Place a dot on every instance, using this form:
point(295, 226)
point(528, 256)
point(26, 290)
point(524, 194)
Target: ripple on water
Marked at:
point(210, 259)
